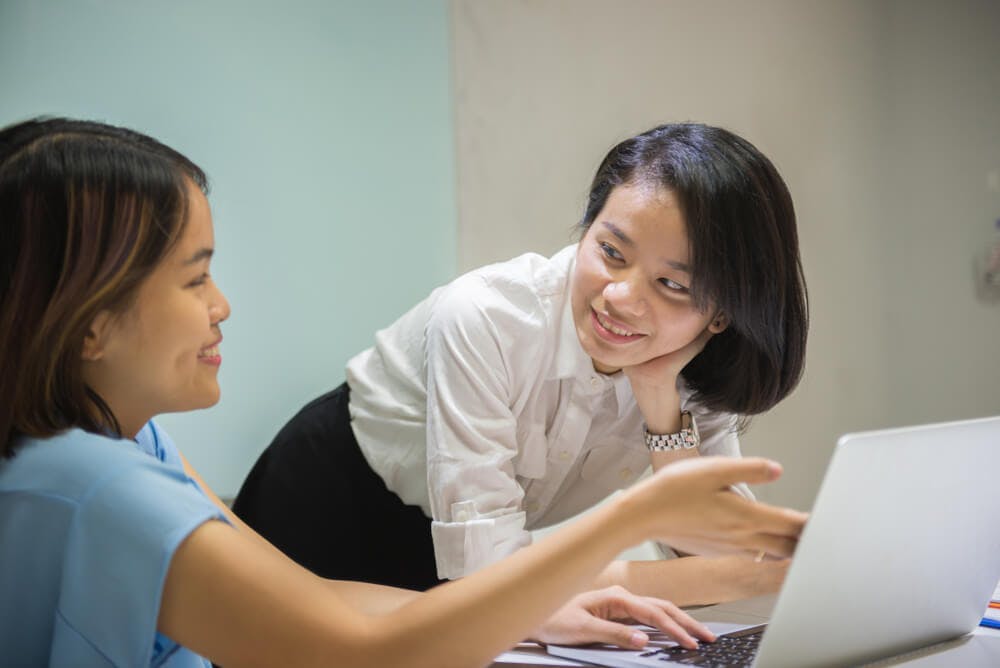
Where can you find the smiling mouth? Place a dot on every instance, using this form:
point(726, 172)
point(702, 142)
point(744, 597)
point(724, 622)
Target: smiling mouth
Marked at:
point(613, 329)
point(209, 352)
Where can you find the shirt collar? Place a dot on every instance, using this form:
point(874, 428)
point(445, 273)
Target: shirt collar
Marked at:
point(623, 392)
point(572, 362)
point(570, 359)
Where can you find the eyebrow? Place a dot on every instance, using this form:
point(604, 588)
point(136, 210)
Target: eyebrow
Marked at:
point(624, 238)
point(202, 254)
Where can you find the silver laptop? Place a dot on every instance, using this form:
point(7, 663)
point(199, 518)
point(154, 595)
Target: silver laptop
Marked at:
point(902, 551)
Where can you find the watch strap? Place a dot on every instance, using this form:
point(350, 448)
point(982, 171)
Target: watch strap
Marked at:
point(685, 439)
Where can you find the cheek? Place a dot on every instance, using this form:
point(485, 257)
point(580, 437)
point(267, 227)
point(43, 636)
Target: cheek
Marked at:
point(680, 326)
point(589, 279)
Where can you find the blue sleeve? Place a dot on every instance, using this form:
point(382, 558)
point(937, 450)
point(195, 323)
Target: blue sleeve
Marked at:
point(119, 548)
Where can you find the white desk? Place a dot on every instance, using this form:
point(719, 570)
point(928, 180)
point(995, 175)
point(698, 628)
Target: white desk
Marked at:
point(981, 648)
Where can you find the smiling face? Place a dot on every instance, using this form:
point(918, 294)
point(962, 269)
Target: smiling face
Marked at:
point(162, 354)
point(630, 288)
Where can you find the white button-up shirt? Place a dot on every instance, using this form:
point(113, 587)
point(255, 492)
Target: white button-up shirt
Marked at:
point(480, 406)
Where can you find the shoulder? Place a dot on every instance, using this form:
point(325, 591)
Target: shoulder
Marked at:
point(709, 421)
point(69, 464)
point(522, 295)
point(79, 466)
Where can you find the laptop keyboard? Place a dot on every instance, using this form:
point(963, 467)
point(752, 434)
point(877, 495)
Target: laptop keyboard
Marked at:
point(733, 650)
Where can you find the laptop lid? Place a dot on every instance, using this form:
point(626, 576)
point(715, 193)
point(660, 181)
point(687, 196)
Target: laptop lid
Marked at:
point(902, 550)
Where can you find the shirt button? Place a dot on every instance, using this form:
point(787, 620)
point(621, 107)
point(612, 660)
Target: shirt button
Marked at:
point(626, 473)
point(594, 382)
point(462, 516)
point(533, 507)
point(564, 455)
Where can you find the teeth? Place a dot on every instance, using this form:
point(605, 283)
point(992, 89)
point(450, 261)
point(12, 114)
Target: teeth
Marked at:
point(209, 352)
point(611, 328)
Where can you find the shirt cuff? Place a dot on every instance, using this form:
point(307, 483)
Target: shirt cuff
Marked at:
point(461, 548)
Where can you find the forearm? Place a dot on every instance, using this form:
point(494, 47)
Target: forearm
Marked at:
point(479, 616)
point(239, 603)
point(371, 598)
point(696, 580)
point(237, 600)
point(470, 621)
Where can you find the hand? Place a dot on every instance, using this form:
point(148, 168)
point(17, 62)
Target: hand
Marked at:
point(661, 372)
point(654, 385)
point(597, 616)
point(689, 506)
point(711, 549)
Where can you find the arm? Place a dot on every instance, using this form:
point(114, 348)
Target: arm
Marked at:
point(697, 580)
point(587, 618)
point(480, 344)
point(364, 596)
point(654, 384)
point(239, 602)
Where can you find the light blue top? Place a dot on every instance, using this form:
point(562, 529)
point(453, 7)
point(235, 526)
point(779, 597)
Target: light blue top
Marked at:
point(88, 526)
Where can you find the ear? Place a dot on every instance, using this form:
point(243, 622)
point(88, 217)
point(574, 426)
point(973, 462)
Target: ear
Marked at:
point(719, 323)
point(96, 339)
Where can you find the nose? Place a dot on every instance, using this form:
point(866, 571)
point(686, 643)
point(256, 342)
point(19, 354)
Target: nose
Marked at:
point(218, 309)
point(625, 296)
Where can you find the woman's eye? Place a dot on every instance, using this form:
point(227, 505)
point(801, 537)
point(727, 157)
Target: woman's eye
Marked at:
point(610, 251)
point(673, 285)
point(201, 280)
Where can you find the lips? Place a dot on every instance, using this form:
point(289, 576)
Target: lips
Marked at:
point(612, 330)
point(210, 354)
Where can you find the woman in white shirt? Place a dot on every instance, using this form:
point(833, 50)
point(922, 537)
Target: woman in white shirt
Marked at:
point(524, 392)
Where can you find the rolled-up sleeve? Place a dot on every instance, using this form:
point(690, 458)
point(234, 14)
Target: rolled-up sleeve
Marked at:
point(475, 499)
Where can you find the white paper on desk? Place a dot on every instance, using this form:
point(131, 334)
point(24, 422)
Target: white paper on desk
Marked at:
point(533, 658)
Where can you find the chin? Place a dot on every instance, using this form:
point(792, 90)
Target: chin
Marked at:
point(207, 399)
point(606, 362)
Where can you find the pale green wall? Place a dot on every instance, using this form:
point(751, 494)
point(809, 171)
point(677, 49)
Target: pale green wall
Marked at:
point(325, 128)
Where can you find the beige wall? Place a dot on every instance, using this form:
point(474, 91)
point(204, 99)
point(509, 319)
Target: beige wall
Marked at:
point(884, 118)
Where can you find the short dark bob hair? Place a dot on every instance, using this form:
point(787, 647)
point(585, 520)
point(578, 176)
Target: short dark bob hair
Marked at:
point(87, 211)
point(744, 256)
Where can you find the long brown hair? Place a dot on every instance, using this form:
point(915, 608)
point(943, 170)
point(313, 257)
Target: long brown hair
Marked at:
point(87, 211)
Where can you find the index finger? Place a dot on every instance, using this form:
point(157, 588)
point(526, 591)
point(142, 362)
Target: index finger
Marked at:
point(724, 472)
point(664, 620)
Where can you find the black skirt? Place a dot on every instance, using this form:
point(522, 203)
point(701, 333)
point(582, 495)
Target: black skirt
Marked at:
point(314, 496)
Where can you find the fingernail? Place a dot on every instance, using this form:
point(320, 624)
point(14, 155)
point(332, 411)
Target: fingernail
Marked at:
point(639, 639)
